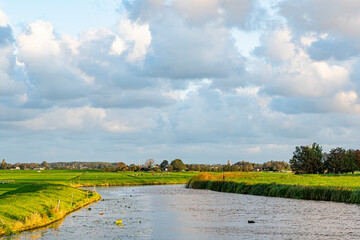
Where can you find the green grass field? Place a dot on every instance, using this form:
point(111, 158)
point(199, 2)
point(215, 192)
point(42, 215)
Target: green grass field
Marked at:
point(339, 188)
point(87, 178)
point(30, 199)
point(330, 180)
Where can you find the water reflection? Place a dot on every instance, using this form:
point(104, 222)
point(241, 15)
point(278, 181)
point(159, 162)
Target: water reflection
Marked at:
point(173, 212)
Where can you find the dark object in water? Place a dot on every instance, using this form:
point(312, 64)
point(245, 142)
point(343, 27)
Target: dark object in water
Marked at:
point(251, 221)
point(102, 200)
point(89, 209)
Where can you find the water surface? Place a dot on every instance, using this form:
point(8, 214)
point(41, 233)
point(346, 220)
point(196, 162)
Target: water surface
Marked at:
point(174, 212)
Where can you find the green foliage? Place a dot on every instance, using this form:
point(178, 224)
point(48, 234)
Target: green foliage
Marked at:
point(350, 161)
point(44, 164)
point(34, 205)
point(340, 160)
point(88, 178)
point(275, 165)
point(307, 159)
point(357, 158)
point(345, 188)
point(245, 166)
point(3, 164)
point(121, 166)
point(335, 160)
point(330, 180)
point(134, 168)
point(178, 165)
point(164, 164)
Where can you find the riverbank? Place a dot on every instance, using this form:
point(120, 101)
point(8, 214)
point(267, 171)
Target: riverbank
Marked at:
point(339, 188)
point(30, 199)
point(37, 205)
point(173, 212)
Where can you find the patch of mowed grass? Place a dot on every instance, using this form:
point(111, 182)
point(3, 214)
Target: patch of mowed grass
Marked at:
point(131, 178)
point(338, 188)
point(330, 180)
point(78, 178)
point(35, 205)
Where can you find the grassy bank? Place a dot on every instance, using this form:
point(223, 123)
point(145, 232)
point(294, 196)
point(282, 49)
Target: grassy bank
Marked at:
point(37, 205)
point(30, 199)
point(338, 188)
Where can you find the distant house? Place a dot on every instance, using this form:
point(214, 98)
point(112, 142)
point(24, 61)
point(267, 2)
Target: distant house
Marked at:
point(39, 168)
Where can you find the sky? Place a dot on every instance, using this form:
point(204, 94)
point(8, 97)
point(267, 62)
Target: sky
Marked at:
point(205, 81)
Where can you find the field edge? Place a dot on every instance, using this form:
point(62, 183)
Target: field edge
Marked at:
point(318, 193)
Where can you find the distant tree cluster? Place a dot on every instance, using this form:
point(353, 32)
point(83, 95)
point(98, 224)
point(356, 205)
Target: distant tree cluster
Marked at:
point(4, 165)
point(176, 165)
point(242, 166)
point(311, 160)
point(275, 166)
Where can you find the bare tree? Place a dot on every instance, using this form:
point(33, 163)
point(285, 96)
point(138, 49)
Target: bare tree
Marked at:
point(149, 162)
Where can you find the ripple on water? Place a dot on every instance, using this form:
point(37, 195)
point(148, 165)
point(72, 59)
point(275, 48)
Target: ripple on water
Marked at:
point(174, 212)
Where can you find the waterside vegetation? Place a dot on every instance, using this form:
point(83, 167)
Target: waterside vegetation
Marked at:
point(329, 187)
point(36, 205)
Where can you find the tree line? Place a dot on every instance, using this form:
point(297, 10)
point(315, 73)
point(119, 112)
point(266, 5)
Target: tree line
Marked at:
point(149, 165)
point(306, 160)
point(312, 160)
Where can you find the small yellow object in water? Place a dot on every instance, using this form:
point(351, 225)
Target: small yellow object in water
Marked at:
point(118, 221)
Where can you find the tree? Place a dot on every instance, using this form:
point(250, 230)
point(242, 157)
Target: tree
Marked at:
point(163, 164)
point(350, 161)
point(178, 165)
point(275, 165)
point(134, 168)
point(245, 166)
point(120, 166)
point(33, 165)
point(190, 167)
point(197, 167)
point(149, 163)
point(357, 157)
point(335, 161)
point(307, 159)
point(170, 168)
point(44, 164)
point(3, 164)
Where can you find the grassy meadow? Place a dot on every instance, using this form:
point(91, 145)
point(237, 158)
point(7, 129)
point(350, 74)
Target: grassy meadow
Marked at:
point(330, 180)
point(338, 188)
point(30, 199)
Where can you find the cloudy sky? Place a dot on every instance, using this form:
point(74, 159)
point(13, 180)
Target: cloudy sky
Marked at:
point(206, 81)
